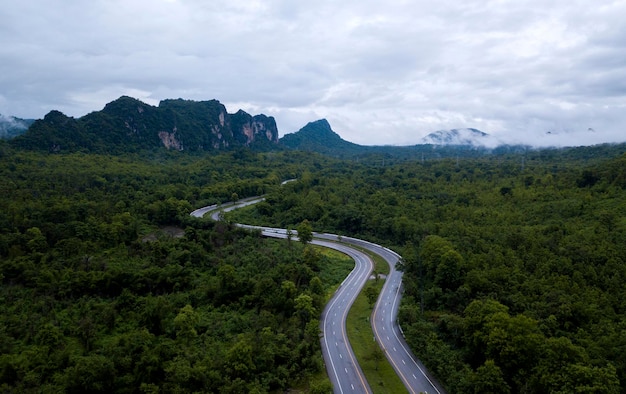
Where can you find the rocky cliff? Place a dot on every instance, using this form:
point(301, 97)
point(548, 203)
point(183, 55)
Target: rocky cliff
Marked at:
point(127, 124)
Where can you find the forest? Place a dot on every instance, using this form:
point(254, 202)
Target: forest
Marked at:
point(98, 296)
point(515, 275)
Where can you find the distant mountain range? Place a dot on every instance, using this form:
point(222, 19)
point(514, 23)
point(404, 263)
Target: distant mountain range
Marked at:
point(127, 124)
point(471, 137)
point(11, 126)
point(319, 137)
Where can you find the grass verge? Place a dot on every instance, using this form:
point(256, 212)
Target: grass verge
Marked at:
point(378, 372)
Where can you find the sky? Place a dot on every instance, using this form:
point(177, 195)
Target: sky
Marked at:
point(381, 72)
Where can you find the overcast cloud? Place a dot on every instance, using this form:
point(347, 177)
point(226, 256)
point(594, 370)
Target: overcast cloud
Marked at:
point(381, 72)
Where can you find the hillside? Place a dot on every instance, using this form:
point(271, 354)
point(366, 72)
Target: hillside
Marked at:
point(319, 137)
point(127, 125)
point(11, 126)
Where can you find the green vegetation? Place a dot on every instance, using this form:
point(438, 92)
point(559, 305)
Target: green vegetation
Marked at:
point(378, 372)
point(97, 297)
point(519, 263)
point(519, 266)
point(127, 125)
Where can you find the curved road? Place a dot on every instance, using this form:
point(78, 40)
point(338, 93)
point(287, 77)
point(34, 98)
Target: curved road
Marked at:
point(343, 369)
point(384, 323)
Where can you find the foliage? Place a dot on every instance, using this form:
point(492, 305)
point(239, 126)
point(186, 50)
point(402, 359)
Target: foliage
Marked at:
point(511, 256)
point(518, 264)
point(98, 297)
point(129, 125)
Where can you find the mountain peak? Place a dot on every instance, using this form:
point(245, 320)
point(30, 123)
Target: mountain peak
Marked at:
point(128, 124)
point(469, 136)
point(317, 136)
point(320, 128)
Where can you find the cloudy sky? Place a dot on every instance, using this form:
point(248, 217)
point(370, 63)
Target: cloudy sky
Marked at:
point(381, 72)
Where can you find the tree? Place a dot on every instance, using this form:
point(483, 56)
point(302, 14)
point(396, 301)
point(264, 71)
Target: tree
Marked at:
point(377, 355)
point(372, 294)
point(304, 308)
point(186, 322)
point(305, 232)
point(488, 378)
point(36, 240)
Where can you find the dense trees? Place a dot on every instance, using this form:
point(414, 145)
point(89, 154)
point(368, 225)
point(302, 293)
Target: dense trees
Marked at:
point(520, 270)
point(109, 286)
point(514, 277)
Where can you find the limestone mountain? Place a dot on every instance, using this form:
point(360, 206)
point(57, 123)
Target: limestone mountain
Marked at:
point(319, 137)
point(127, 124)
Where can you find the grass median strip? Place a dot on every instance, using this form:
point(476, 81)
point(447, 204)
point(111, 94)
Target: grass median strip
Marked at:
point(378, 372)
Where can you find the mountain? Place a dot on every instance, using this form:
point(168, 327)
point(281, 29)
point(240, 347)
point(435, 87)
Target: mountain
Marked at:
point(319, 137)
point(467, 137)
point(11, 126)
point(127, 124)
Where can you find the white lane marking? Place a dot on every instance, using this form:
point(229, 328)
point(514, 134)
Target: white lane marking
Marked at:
point(394, 349)
point(403, 362)
point(340, 356)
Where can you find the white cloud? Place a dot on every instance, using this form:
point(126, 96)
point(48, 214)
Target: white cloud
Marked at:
point(381, 73)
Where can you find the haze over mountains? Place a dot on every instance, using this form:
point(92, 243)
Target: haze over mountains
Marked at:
point(11, 126)
point(127, 124)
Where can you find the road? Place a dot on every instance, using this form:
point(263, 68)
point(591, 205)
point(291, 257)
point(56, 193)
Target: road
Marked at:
point(343, 370)
point(385, 326)
point(342, 367)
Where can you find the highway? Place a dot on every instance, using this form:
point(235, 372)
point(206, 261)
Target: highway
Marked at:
point(385, 326)
point(342, 367)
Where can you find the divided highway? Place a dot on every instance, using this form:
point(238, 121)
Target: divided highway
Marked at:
point(385, 326)
point(342, 367)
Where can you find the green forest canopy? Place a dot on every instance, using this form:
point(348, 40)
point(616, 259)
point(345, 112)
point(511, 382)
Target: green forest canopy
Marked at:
point(518, 266)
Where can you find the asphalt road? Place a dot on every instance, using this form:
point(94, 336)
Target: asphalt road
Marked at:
point(342, 367)
point(385, 326)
